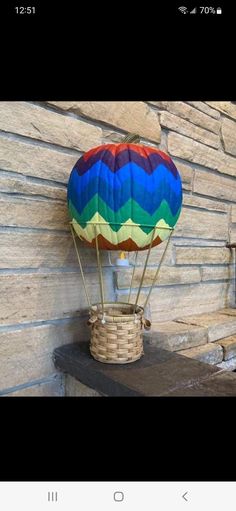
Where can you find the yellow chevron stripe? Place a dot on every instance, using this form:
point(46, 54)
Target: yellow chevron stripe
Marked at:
point(127, 230)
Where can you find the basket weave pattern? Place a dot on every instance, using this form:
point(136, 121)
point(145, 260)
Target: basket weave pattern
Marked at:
point(118, 340)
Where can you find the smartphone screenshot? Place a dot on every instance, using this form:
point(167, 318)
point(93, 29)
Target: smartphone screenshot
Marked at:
point(117, 256)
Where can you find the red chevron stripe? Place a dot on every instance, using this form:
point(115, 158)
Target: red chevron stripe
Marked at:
point(93, 151)
point(128, 245)
point(117, 148)
point(164, 155)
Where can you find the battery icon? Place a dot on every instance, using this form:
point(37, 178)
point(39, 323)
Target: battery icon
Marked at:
point(218, 10)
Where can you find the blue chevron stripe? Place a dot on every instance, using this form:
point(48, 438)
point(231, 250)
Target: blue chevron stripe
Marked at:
point(117, 191)
point(115, 199)
point(130, 170)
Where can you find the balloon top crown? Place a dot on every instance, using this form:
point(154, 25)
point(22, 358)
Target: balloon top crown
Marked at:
point(131, 138)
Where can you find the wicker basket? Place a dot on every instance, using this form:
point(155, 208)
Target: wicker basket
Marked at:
point(116, 336)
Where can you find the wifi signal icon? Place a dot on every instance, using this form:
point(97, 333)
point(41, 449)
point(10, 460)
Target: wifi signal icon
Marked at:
point(184, 10)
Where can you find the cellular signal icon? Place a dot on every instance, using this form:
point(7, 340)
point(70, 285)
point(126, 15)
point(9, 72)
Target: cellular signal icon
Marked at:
point(194, 11)
point(184, 10)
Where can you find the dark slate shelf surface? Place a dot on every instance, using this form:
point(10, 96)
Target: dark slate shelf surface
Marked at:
point(157, 373)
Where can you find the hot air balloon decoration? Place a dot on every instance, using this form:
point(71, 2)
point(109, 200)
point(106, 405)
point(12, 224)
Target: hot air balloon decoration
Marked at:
point(124, 197)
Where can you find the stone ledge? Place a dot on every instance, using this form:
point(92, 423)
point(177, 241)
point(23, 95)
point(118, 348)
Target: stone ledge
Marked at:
point(161, 372)
point(157, 373)
point(222, 384)
point(208, 353)
point(74, 388)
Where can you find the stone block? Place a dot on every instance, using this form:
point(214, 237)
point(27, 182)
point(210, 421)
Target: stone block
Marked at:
point(186, 173)
point(156, 255)
point(213, 185)
point(228, 365)
point(228, 130)
point(174, 302)
point(32, 249)
point(202, 203)
point(36, 249)
point(167, 276)
point(26, 352)
point(32, 121)
point(208, 353)
point(229, 311)
point(226, 107)
point(174, 336)
point(190, 150)
point(229, 347)
point(159, 104)
point(202, 255)
point(198, 223)
point(232, 234)
point(46, 295)
point(29, 212)
point(205, 108)
point(233, 213)
point(24, 185)
point(217, 273)
point(36, 161)
point(218, 325)
point(131, 116)
point(175, 123)
point(195, 116)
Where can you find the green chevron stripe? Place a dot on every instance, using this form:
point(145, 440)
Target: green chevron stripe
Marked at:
point(130, 210)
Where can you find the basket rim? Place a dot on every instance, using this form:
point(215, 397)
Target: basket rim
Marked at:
point(137, 309)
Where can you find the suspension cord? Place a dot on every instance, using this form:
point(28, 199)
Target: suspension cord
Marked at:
point(145, 266)
point(157, 272)
point(99, 270)
point(80, 265)
point(134, 268)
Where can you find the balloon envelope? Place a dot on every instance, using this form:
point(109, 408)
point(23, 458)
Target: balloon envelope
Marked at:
point(125, 190)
